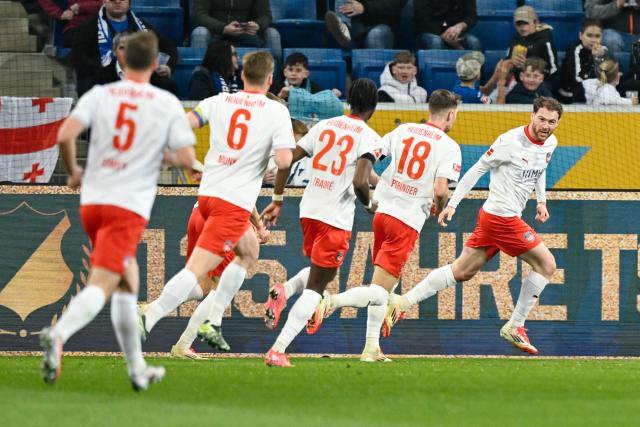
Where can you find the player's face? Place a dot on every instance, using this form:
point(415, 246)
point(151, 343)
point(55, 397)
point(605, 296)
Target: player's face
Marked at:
point(543, 123)
point(525, 28)
point(404, 72)
point(117, 8)
point(531, 79)
point(591, 37)
point(295, 74)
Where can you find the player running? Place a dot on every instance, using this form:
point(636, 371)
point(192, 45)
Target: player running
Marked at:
point(424, 161)
point(342, 151)
point(245, 128)
point(131, 124)
point(517, 161)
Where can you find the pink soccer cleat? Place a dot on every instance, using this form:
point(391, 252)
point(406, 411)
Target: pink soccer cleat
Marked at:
point(518, 337)
point(276, 302)
point(323, 310)
point(275, 358)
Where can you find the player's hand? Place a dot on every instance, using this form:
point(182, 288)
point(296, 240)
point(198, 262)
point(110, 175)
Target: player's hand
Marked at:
point(75, 177)
point(434, 212)
point(542, 214)
point(446, 214)
point(263, 234)
point(271, 214)
point(373, 208)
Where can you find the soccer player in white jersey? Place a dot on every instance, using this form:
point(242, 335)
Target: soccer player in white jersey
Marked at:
point(342, 153)
point(416, 184)
point(517, 161)
point(245, 128)
point(131, 124)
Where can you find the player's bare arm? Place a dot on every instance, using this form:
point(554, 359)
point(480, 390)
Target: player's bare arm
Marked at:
point(283, 158)
point(441, 195)
point(67, 135)
point(194, 122)
point(361, 183)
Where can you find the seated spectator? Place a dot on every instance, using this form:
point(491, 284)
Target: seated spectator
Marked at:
point(581, 61)
point(242, 23)
point(602, 91)
point(93, 45)
point(219, 72)
point(631, 81)
point(70, 15)
point(398, 81)
point(300, 170)
point(469, 69)
point(443, 24)
point(366, 23)
point(620, 20)
point(533, 39)
point(296, 75)
point(530, 84)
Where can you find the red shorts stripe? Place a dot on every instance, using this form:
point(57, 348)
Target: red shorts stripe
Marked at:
point(114, 233)
point(496, 233)
point(393, 242)
point(326, 245)
point(194, 229)
point(224, 225)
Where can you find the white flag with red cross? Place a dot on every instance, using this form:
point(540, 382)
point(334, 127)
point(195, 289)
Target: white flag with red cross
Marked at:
point(28, 128)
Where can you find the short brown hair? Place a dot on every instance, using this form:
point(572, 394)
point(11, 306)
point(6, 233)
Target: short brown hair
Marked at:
point(299, 127)
point(536, 64)
point(442, 100)
point(548, 104)
point(256, 67)
point(404, 57)
point(141, 50)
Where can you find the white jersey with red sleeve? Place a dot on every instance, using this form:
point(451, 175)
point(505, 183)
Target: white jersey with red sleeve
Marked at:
point(420, 153)
point(518, 165)
point(335, 145)
point(244, 127)
point(131, 124)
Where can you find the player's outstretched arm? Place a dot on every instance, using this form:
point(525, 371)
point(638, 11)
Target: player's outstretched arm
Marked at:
point(468, 181)
point(67, 135)
point(446, 214)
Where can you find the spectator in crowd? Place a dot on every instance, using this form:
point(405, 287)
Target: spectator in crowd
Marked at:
point(72, 15)
point(631, 81)
point(469, 69)
point(296, 75)
point(300, 170)
point(530, 84)
point(581, 61)
point(93, 45)
point(602, 91)
point(533, 39)
point(365, 23)
point(240, 22)
point(443, 24)
point(620, 20)
point(219, 72)
point(398, 81)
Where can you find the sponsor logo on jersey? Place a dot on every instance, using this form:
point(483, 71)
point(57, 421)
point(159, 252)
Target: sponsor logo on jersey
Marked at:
point(490, 152)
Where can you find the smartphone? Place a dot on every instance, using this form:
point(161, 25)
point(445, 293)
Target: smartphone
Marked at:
point(244, 24)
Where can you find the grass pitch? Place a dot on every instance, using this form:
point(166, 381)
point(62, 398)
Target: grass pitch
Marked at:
point(94, 391)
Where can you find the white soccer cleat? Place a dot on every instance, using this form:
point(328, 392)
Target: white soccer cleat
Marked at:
point(150, 375)
point(51, 356)
point(518, 337)
point(179, 352)
point(373, 355)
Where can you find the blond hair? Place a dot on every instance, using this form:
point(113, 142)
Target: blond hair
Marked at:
point(608, 71)
point(257, 66)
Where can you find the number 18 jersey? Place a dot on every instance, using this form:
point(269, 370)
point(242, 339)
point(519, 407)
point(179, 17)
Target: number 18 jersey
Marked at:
point(420, 153)
point(335, 145)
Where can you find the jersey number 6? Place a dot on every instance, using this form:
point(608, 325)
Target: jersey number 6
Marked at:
point(122, 121)
point(238, 127)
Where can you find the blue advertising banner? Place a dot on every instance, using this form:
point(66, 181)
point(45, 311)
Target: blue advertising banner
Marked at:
point(591, 306)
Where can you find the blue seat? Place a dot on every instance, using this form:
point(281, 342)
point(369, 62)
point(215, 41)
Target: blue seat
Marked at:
point(495, 30)
point(438, 68)
point(329, 74)
point(624, 61)
point(489, 7)
point(491, 59)
point(370, 62)
point(315, 54)
point(188, 59)
point(297, 24)
point(566, 26)
point(168, 21)
point(556, 5)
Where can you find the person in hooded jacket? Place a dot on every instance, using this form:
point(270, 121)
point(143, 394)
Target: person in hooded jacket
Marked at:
point(398, 81)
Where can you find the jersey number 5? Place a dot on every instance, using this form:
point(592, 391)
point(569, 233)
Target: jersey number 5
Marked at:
point(346, 142)
point(419, 156)
point(121, 122)
point(240, 128)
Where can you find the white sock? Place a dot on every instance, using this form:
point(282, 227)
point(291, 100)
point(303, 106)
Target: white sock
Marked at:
point(375, 317)
point(360, 296)
point(174, 293)
point(230, 282)
point(124, 318)
point(439, 279)
point(298, 317)
point(82, 309)
point(297, 283)
point(195, 294)
point(197, 318)
point(531, 288)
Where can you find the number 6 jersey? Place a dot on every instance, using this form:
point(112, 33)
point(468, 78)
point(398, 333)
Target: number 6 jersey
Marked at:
point(420, 153)
point(335, 145)
point(131, 123)
point(244, 127)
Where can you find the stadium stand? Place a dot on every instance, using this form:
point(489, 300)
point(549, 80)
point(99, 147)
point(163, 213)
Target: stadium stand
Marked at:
point(370, 62)
point(495, 23)
point(326, 66)
point(297, 24)
point(564, 16)
point(168, 20)
point(437, 68)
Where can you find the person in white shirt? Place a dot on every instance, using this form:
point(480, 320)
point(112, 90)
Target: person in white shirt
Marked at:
point(517, 161)
point(131, 123)
point(602, 91)
point(416, 185)
point(245, 128)
point(342, 150)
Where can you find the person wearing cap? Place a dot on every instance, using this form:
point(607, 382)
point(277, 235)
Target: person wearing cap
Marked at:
point(532, 39)
point(398, 81)
point(468, 68)
point(620, 19)
point(444, 24)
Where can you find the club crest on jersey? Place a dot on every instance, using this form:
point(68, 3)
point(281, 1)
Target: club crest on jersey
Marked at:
point(339, 256)
point(490, 152)
point(528, 236)
point(548, 157)
point(227, 246)
point(457, 167)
